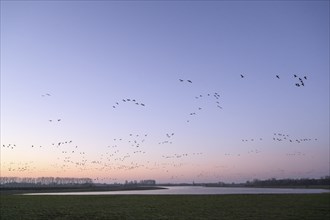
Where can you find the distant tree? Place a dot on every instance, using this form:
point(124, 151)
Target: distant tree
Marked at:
point(43, 181)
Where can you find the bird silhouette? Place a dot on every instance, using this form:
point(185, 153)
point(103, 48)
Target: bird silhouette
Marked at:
point(47, 94)
point(189, 81)
point(242, 76)
point(277, 76)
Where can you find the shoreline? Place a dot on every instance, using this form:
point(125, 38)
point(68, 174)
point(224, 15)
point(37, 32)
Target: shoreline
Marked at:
point(82, 189)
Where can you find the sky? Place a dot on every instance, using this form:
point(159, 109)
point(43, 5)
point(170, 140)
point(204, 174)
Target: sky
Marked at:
point(178, 91)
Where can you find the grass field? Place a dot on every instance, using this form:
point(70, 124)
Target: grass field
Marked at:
point(293, 206)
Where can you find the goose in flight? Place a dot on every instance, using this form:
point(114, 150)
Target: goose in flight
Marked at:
point(47, 94)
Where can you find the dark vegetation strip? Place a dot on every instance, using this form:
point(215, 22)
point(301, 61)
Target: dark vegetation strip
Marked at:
point(48, 189)
point(249, 207)
point(276, 186)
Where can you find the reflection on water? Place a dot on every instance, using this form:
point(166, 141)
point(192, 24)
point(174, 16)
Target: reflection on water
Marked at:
point(195, 190)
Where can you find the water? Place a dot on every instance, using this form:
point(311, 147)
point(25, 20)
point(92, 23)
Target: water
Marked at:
point(195, 190)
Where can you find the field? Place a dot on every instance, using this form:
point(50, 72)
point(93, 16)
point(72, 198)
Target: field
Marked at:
point(283, 206)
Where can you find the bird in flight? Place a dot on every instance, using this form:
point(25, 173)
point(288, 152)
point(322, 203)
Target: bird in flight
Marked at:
point(47, 94)
point(242, 76)
point(181, 80)
point(189, 81)
point(277, 76)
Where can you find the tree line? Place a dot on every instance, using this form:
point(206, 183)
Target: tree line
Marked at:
point(323, 181)
point(141, 182)
point(43, 181)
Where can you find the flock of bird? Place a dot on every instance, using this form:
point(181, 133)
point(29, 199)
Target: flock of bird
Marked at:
point(168, 136)
point(300, 81)
point(210, 97)
point(188, 80)
point(57, 120)
point(131, 151)
point(282, 137)
point(132, 101)
point(288, 138)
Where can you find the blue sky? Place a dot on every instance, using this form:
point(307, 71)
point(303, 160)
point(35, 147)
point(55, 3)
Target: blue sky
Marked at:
point(89, 55)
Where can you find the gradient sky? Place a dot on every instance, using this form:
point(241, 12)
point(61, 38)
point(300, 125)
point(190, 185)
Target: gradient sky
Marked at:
point(88, 55)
